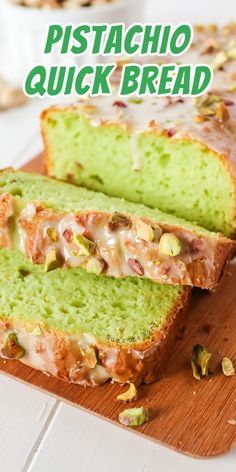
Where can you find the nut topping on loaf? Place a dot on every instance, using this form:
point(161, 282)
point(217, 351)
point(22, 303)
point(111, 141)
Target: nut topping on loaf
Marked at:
point(113, 243)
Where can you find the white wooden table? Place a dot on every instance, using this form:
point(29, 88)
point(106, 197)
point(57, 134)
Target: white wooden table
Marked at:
point(41, 434)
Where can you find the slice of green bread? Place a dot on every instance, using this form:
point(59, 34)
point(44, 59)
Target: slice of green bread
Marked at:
point(84, 328)
point(178, 175)
point(171, 153)
point(60, 225)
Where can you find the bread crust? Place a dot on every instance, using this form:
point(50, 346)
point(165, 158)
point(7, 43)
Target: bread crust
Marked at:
point(227, 159)
point(59, 355)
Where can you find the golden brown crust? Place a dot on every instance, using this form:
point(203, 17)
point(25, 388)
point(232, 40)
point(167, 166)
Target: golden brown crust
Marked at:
point(60, 355)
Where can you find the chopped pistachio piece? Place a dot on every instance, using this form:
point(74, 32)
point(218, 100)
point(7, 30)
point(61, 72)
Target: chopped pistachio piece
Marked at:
point(204, 104)
point(231, 53)
point(145, 230)
point(207, 101)
point(200, 361)
point(95, 266)
point(36, 331)
point(52, 261)
point(212, 28)
point(118, 220)
point(199, 119)
point(90, 357)
point(232, 88)
point(227, 367)
point(86, 247)
point(135, 100)
point(169, 245)
point(134, 416)
point(199, 28)
point(12, 348)
point(121, 114)
point(130, 395)
point(222, 112)
point(220, 59)
point(90, 109)
point(206, 111)
point(52, 234)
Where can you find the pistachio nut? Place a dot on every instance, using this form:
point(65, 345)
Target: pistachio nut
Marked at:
point(86, 247)
point(52, 260)
point(130, 395)
point(134, 416)
point(95, 266)
point(227, 367)
point(144, 230)
point(52, 234)
point(169, 245)
point(12, 348)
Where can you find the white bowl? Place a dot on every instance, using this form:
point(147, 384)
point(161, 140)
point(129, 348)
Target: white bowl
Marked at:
point(25, 32)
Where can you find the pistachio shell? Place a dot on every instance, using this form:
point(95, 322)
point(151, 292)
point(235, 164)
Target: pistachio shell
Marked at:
point(200, 361)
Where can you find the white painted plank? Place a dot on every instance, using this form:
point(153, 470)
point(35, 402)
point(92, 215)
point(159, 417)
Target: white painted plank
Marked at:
point(23, 414)
point(77, 441)
point(18, 130)
point(17, 127)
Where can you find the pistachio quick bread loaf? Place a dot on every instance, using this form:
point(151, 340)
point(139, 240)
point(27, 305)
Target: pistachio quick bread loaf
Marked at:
point(59, 225)
point(174, 153)
point(95, 329)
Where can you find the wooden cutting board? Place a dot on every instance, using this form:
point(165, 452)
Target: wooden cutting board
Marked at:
point(190, 416)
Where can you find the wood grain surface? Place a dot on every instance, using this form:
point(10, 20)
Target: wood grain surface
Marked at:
point(193, 417)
